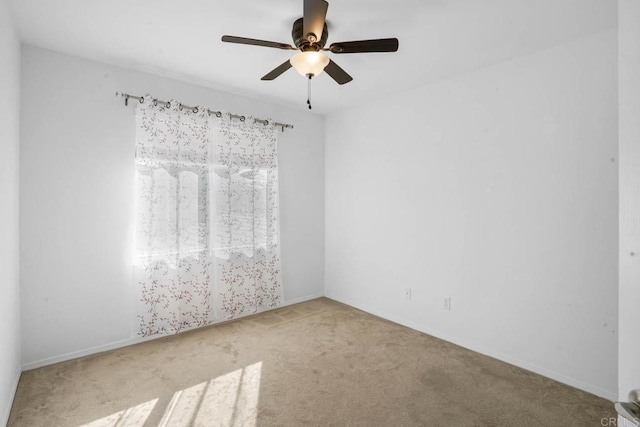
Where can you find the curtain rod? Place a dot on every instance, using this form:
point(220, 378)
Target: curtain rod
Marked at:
point(181, 106)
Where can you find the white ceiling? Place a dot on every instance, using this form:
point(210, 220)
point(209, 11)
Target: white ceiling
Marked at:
point(181, 39)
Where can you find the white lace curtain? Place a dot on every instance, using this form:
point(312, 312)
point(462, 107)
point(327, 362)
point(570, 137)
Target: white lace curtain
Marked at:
point(207, 226)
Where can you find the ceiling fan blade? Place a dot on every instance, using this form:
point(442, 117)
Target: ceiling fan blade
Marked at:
point(315, 12)
point(361, 46)
point(255, 42)
point(277, 71)
point(338, 74)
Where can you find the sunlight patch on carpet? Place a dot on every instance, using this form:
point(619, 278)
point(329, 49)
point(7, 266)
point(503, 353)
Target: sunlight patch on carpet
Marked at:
point(134, 416)
point(228, 400)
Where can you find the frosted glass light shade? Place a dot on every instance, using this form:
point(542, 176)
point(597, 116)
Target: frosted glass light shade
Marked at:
point(307, 63)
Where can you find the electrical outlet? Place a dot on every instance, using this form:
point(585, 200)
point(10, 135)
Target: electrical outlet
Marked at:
point(407, 293)
point(446, 303)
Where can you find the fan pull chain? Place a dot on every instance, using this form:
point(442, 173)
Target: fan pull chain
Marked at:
point(309, 90)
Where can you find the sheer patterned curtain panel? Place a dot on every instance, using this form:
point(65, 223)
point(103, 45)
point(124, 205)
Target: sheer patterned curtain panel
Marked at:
point(246, 238)
point(207, 232)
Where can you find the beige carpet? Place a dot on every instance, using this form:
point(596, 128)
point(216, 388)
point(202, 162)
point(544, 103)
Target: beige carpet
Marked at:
point(317, 363)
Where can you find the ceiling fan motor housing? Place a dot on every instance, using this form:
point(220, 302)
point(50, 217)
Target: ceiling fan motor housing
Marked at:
point(302, 42)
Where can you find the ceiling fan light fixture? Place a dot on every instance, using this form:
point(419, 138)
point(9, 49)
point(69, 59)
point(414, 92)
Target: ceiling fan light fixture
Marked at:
point(309, 63)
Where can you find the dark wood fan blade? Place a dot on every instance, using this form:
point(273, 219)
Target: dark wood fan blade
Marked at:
point(315, 12)
point(277, 71)
point(362, 46)
point(338, 74)
point(255, 42)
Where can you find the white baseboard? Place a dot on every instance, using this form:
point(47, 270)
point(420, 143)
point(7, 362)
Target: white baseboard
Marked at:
point(5, 415)
point(302, 299)
point(132, 341)
point(589, 388)
point(85, 352)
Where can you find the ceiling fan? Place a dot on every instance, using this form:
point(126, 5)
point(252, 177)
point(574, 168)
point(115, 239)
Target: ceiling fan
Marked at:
point(310, 36)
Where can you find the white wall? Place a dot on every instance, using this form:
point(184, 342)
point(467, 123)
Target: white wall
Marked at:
point(9, 267)
point(629, 93)
point(498, 189)
point(76, 182)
